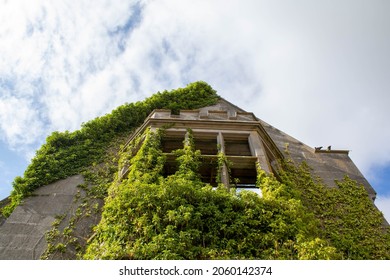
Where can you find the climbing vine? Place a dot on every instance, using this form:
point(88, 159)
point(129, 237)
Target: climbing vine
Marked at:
point(69, 153)
point(347, 217)
point(149, 216)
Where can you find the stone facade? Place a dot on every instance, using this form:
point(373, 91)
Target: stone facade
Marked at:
point(22, 236)
point(245, 140)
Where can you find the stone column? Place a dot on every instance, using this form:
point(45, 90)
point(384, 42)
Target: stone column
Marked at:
point(224, 169)
point(257, 149)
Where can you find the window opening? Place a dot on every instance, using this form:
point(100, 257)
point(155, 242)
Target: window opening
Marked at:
point(206, 143)
point(243, 177)
point(170, 166)
point(172, 141)
point(237, 145)
point(208, 171)
point(243, 173)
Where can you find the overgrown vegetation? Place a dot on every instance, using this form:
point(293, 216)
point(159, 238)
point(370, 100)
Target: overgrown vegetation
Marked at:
point(148, 216)
point(347, 217)
point(68, 153)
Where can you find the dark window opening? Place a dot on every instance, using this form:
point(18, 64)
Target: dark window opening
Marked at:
point(244, 177)
point(170, 166)
point(208, 171)
point(243, 171)
point(172, 142)
point(207, 144)
point(237, 146)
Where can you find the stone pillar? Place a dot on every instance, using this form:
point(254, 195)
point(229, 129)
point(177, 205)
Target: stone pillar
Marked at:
point(257, 149)
point(224, 170)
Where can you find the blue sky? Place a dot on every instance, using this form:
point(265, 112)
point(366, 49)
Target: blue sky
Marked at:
point(318, 70)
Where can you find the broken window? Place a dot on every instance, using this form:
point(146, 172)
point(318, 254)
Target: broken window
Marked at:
point(208, 171)
point(206, 143)
point(172, 141)
point(236, 147)
point(243, 173)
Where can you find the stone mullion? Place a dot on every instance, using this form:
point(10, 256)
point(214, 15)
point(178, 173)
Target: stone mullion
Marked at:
point(224, 169)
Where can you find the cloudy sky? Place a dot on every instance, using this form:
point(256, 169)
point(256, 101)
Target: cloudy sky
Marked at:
point(318, 70)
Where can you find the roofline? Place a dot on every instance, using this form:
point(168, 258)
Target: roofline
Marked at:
point(231, 104)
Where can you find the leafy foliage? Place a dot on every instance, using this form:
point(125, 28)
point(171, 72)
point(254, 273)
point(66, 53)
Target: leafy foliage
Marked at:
point(147, 216)
point(348, 218)
point(68, 153)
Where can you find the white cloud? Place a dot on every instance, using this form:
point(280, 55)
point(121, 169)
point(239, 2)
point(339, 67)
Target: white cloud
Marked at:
point(19, 121)
point(383, 203)
point(49, 51)
point(317, 70)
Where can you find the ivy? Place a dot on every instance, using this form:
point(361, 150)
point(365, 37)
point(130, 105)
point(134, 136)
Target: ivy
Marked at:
point(346, 216)
point(69, 153)
point(147, 216)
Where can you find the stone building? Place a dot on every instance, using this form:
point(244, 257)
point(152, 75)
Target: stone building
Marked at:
point(245, 140)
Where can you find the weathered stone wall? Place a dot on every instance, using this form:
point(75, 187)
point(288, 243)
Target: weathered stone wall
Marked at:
point(22, 235)
point(329, 166)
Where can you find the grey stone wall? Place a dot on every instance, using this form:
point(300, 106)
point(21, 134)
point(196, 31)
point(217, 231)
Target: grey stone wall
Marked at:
point(22, 235)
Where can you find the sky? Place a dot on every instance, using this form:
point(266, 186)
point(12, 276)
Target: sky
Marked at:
point(317, 70)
